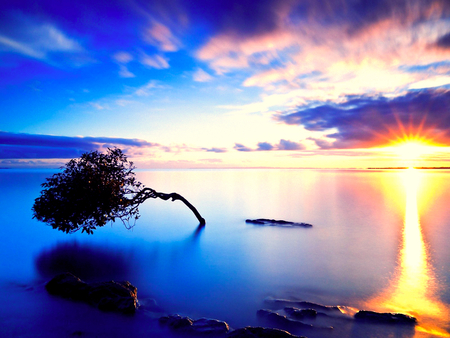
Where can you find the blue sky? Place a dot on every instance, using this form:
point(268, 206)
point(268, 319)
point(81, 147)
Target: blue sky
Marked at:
point(200, 84)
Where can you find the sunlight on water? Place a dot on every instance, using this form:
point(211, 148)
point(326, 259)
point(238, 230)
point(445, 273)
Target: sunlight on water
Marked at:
point(415, 289)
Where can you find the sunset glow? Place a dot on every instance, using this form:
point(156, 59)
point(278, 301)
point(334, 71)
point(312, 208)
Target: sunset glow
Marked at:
point(415, 288)
point(297, 84)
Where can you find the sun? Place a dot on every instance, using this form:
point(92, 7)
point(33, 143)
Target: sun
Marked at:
point(413, 150)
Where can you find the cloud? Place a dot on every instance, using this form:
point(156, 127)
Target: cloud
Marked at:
point(215, 150)
point(125, 73)
point(201, 76)
point(161, 37)
point(444, 41)
point(27, 146)
point(365, 121)
point(123, 57)
point(32, 38)
point(147, 89)
point(330, 48)
point(155, 61)
point(266, 146)
point(241, 147)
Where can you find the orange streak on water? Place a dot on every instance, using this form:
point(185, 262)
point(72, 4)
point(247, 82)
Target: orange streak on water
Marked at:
point(415, 289)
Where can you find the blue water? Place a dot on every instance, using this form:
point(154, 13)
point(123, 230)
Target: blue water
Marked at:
point(352, 256)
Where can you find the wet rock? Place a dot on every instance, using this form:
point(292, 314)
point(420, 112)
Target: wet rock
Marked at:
point(300, 313)
point(113, 296)
point(210, 326)
point(69, 286)
point(302, 305)
point(260, 332)
point(176, 322)
point(107, 296)
point(391, 318)
point(203, 326)
point(280, 223)
point(280, 321)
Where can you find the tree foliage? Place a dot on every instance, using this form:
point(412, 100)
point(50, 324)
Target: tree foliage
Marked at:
point(93, 190)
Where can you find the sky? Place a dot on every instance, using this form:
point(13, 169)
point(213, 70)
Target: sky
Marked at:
point(225, 83)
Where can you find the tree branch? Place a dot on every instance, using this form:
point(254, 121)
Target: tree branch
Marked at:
point(174, 196)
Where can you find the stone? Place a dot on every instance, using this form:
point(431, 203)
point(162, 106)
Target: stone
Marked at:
point(202, 326)
point(69, 286)
point(390, 318)
point(259, 332)
point(106, 296)
point(276, 319)
point(303, 305)
point(274, 222)
point(300, 313)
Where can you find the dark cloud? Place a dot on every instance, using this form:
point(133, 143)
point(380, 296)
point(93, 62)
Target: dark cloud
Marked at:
point(248, 18)
point(375, 121)
point(241, 147)
point(289, 145)
point(26, 146)
point(266, 146)
point(444, 41)
point(215, 150)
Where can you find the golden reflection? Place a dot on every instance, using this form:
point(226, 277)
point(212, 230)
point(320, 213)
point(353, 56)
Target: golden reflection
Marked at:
point(414, 290)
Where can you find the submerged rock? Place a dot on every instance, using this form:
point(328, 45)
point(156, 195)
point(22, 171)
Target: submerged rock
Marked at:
point(274, 318)
point(274, 222)
point(303, 305)
point(260, 332)
point(107, 296)
point(391, 318)
point(300, 313)
point(203, 326)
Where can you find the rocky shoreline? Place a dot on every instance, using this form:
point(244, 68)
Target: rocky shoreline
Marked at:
point(283, 318)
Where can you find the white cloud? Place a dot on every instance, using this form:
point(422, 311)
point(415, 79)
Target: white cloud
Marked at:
point(124, 72)
point(161, 37)
point(21, 48)
point(155, 61)
point(123, 57)
point(201, 76)
point(40, 41)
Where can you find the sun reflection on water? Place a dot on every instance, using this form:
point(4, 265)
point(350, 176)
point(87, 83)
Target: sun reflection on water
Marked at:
point(415, 289)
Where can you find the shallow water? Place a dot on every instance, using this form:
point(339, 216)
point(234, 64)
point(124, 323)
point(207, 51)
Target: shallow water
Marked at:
point(378, 242)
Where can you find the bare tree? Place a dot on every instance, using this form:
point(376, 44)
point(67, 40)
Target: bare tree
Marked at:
point(96, 189)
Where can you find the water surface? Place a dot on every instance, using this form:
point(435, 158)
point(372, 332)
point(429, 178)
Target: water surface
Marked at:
point(378, 242)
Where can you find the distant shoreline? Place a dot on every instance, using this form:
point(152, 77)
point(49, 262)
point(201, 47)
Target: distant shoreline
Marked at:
point(409, 167)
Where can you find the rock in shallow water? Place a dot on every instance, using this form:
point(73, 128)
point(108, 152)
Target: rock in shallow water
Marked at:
point(391, 318)
point(280, 321)
point(274, 222)
point(260, 332)
point(107, 296)
point(201, 326)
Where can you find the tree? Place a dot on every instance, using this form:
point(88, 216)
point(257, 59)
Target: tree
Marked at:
point(93, 190)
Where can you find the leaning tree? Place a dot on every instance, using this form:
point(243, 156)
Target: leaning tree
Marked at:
point(93, 190)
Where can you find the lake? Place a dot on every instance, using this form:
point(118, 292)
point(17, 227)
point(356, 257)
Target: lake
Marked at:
point(378, 242)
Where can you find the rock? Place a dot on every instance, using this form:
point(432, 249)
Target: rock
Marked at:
point(300, 313)
point(203, 326)
point(176, 322)
point(280, 321)
point(303, 305)
point(69, 286)
point(210, 326)
point(107, 296)
point(260, 332)
point(391, 318)
point(273, 222)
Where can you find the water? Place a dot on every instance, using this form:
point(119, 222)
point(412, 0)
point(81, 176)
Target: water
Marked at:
point(379, 242)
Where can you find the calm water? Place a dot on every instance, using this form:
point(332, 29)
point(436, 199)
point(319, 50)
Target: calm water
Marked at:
point(379, 242)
